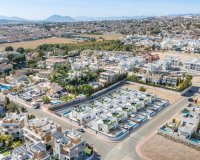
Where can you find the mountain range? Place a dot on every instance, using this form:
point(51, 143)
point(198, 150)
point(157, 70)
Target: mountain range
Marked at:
point(62, 19)
point(12, 18)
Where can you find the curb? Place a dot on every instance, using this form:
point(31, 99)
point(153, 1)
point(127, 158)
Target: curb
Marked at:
point(141, 143)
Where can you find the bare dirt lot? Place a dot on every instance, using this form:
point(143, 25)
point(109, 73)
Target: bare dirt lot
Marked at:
point(183, 56)
point(171, 96)
point(104, 36)
point(196, 79)
point(160, 148)
point(36, 43)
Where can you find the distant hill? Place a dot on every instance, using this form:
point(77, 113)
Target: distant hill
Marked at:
point(108, 18)
point(58, 18)
point(5, 21)
point(12, 18)
point(64, 19)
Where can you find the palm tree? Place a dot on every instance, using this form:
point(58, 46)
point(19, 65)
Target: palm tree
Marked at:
point(4, 77)
point(183, 76)
point(26, 82)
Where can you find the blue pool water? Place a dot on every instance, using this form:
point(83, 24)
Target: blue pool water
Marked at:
point(140, 119)
point(195, 140)
point(56, 102)
point(166, 130)
point(119, 134)
point(130, 124)
point(66, 113)
point(4, 88)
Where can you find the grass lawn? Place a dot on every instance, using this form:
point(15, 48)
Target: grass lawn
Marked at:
point(6, 153)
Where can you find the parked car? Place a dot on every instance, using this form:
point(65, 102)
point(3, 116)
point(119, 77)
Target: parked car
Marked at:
point(36, 106)
point(80, 130)
point(190, 99)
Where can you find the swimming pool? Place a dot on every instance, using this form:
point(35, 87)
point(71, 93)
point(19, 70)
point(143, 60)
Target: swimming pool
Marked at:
point(130, 124)
point(56, 102)
point(195, 140)
point(4, 88)
point(66, 114)
point(166, 129)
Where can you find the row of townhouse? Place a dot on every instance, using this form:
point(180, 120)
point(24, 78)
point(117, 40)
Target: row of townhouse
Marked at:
point(157, 79)
point(167, 64)
point(105, 114)
point(38, 133)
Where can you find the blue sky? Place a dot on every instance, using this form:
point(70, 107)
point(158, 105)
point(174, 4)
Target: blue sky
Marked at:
point(40, 9)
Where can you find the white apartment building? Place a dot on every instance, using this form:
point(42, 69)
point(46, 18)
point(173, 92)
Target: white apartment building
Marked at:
point(189, 122)
point(40, 130)
point(13, 123)
point(192, 64)
point(67, 145)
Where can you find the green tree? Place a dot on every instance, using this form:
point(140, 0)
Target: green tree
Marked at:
point(133, 78)
point(6, 139)
point(11, 107)
point(26, 82)
point(23, 109)
point(4, 77)
point(17, 144)
point(6, 101)
point(86, 89)
point(70, 88)
point(32, 63)
point(46, 99)
point(20, 50)
point(142, 89)
point(9, 49)
point(10, 57)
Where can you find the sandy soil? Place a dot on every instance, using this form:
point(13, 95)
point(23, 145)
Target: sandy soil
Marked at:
point(183, 56)
point(171, 96)
point(105, 36)
point(34, 44)
point(196, 79)
point(160, 148)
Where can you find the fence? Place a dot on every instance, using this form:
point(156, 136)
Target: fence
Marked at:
point(94, 96)
point(186, 142)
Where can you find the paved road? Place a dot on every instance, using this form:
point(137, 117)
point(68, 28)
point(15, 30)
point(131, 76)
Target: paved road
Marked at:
point(124, 150)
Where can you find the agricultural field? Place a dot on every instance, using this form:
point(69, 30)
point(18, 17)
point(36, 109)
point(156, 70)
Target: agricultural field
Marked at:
point(104, 36)
point(35, 43)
